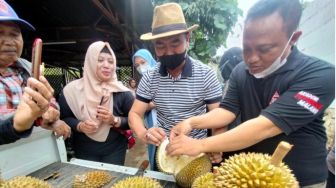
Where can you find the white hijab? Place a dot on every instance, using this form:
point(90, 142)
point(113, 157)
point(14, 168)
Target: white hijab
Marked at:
point(84, 95)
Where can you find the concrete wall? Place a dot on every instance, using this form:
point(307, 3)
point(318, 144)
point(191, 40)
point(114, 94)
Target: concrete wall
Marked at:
point(318, 26)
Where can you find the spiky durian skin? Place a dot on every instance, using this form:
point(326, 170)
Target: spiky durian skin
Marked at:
point(253, 170)
point(204, 181)
point(25, 182)
point(137, 182)
point(193, 170)
point(92, 179)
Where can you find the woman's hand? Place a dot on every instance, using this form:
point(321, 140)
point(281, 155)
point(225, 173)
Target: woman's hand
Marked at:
point(61, 129)
point(87, 127)
point(105, 115)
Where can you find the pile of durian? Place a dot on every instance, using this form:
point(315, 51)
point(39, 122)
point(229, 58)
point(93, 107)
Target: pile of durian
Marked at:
point(329, 123)
point(184, 168)
point(251, 170)
point(1, 181)
point(137, 182)
point(204, 181)
point(92, 179)
point(25, 182)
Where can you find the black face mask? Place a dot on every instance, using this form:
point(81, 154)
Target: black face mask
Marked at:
point(172, 61)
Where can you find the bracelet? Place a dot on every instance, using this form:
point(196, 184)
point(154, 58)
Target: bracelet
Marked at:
point(115, 121)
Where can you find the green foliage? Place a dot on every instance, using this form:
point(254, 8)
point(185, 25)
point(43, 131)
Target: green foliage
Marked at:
point(216, 19)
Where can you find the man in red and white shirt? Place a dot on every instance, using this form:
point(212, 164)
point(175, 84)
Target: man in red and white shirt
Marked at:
point(15, 71)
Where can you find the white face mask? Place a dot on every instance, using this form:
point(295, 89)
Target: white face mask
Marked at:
point(142, 69)
point(275, 65)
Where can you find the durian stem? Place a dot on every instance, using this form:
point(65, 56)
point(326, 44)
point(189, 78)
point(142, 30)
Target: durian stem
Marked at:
point(280, 152)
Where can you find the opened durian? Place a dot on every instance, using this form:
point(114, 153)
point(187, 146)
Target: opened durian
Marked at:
point(92, 179)
point(137, 182)
point(256, 170)
point(184, 168)
point(204, 181)
point(25, 182)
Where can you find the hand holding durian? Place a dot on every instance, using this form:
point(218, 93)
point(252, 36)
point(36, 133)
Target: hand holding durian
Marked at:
point(184, 168)
point(154, 135)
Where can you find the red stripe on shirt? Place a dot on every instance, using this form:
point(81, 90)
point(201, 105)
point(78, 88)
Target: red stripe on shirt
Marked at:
point(309, 101)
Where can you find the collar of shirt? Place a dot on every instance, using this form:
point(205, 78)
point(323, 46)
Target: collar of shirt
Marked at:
point(10, 71)
point(13, 69)
point(11, 91)
point(186, 72)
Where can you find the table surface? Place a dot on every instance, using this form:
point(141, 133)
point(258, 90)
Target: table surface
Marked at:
point(68, 171)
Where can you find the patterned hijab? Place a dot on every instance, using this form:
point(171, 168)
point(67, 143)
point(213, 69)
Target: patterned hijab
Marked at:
point(84, 95)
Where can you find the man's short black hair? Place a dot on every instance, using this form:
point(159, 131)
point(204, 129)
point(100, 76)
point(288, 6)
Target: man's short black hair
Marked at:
point(289, 10)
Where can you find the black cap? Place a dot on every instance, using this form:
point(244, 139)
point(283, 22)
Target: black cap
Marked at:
point(229, 60)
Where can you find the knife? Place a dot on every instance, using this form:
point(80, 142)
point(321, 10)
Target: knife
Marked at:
point(143, 166)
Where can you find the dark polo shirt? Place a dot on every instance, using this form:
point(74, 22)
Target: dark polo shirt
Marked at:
point(294, 99)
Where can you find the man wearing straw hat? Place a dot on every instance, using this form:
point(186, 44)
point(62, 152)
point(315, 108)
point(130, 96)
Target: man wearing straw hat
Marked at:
point(180, 86)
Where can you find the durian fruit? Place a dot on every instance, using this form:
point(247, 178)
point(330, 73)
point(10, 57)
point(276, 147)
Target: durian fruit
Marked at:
point(25, 182)
point(184, 168)
point(255, 170)
point(137, 182)
point(204, 181)
point(92, 179)
point(329, 123)
point(1, 181)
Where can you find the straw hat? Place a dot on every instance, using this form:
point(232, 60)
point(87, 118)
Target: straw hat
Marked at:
point(168, 20)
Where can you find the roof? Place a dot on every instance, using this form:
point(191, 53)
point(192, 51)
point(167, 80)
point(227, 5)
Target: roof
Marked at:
point(68, 27)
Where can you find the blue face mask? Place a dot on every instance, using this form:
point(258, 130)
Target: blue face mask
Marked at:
point(275, 65)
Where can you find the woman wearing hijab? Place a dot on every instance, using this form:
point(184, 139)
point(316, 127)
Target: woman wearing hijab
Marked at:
point(95, 105)
point(143, 61)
